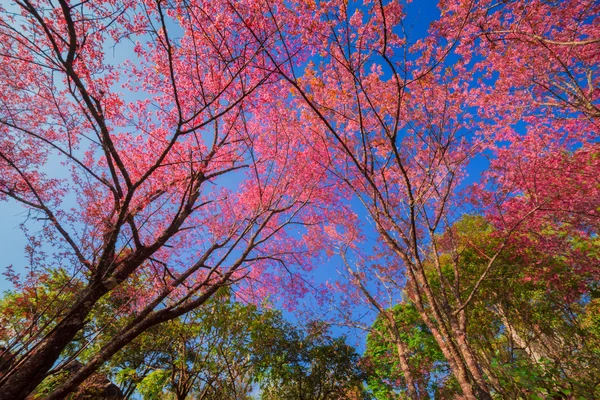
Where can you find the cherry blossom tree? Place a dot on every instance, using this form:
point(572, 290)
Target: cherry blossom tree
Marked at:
point(400, 146)
point(537, 97)
point(403, 120)
point(175, 168)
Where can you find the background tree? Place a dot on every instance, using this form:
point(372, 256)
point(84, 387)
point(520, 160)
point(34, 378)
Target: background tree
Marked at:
point(531, 335)
point(530, 332)
point(224, 350)
point(211, 353)
point(312, 366)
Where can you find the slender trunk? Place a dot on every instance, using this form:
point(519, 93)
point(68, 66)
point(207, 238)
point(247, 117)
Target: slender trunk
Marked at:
point(472, 365)
point(494, 382)
point(444, 340)
point(410, 382)
point(456, 342)
point(457, 365)
point(28, 373)
point(181, 396)
point(402, 350)
point(432, 316)
point(131, 386)
point(454, 345)
point(459, 326)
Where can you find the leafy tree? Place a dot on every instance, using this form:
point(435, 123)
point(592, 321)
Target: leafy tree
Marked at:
point(31, 311)
point(211, 353)
point(312, 366)
point(220, 351)
point(529, 334)
point(428, 366)
point(534, 340)
point(96, 387)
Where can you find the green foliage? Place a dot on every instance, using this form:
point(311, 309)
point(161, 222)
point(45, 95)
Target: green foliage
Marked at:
point(537, 336)
point(50, 384)
point(223, 350)
point(95, 387)
point(533, 339)
point(311, 366)
point(29, 313)
point(153, 384)
point(426, 360)
point(213, 350)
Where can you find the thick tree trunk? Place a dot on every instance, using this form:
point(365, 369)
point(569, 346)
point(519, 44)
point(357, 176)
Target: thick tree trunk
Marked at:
point(108, 351)
point(29, 372)
point(129, 333)
point(517, 339)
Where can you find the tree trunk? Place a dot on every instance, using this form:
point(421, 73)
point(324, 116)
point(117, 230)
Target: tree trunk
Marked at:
point(457, 365)
point(181, 396)
point(107, 351)
point(451, 340)
point(423, 298)
point(128, 334)
point(29, 372)
point(410, 382)
point(472, 365)
point(402, 351)
point(443, 339)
